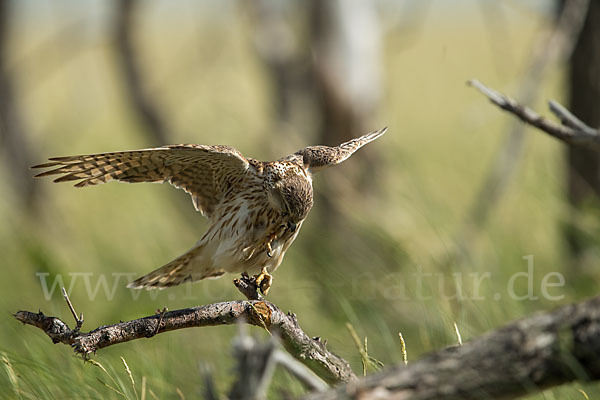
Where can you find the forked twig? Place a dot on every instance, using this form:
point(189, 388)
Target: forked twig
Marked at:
point(572, 131)
point(78, 320)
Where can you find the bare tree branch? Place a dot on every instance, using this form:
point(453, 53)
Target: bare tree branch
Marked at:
point(210, 392)
point(299, 371)
point(537, 352)
point(256, 364)
point(572, 131)
point(311, 352)
point(568, 119)
point(550, 48)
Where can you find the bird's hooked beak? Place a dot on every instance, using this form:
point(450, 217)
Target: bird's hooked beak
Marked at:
point(291, 226)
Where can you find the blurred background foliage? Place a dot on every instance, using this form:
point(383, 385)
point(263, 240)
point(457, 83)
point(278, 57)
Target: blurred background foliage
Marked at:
point(270, 78)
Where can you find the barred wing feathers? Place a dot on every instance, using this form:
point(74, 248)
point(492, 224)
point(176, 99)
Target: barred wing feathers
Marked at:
point(205, 172)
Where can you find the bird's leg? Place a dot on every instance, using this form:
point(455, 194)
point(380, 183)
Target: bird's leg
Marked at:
point(264, 280)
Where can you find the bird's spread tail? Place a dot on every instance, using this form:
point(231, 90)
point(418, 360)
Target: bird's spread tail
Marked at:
point(316, 158)
point(175, 273)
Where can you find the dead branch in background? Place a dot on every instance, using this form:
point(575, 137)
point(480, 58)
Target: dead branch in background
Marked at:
point(13, 134)
point(149, 114)
point(550, 49)
point(256, 363)
point(532, 354)
point(573, 131)
point(312, 352)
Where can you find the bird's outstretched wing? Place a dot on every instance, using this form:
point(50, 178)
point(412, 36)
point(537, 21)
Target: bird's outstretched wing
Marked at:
point(316, 158)
point(205, 172)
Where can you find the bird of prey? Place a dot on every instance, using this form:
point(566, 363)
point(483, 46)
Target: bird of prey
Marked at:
point(255, 208)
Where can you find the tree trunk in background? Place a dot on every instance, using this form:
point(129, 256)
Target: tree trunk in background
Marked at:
point(13, 140)
point(149, 114)
point(279, 48)
point(583, 175)
point(346, 46)
point(336, 70)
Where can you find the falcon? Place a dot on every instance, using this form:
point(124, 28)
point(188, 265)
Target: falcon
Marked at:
point(255, 208)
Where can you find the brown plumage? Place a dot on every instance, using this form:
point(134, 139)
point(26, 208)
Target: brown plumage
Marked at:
point(255, 208)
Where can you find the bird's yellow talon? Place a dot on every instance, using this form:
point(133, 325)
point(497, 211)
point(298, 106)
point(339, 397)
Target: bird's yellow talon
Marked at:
point(264, 280)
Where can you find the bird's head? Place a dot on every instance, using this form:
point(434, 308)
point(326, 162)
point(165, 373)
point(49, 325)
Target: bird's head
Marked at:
point(290, 192)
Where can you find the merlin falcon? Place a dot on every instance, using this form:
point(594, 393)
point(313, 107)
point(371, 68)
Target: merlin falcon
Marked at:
point(255, 208)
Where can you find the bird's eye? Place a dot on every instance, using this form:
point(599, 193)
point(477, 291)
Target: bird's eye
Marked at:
point(291, 226)
point(284, 214)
